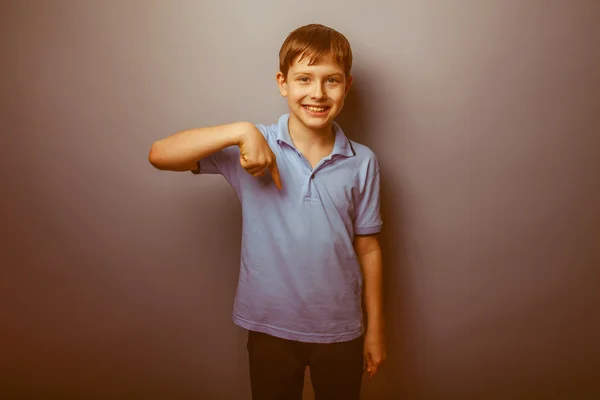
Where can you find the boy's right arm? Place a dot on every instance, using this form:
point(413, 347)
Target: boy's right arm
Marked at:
point(181, 151)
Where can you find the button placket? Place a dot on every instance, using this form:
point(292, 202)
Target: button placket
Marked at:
point(308, 195)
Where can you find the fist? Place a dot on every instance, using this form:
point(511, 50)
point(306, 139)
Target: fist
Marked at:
point(256, 156)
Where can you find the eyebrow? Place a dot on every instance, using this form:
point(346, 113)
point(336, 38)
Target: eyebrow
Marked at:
point(339, 74)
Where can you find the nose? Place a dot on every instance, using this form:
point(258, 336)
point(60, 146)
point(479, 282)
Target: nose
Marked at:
point(318, 93)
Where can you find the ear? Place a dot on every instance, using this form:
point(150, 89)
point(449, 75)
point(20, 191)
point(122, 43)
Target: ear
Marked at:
point(282, 83)
point(349, 80)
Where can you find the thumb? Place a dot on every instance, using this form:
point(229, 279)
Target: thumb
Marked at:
point(275, 174)
point(372, 371)
point(368, 363)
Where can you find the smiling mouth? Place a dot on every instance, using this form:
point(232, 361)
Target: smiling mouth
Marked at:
point(316, 108)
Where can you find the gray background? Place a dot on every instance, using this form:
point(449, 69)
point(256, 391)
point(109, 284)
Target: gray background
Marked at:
point(117, 280)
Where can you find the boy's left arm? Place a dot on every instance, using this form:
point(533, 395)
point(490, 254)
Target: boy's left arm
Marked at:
point(368, 251)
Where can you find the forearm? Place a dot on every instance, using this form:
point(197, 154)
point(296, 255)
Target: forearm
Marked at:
point(372, 270)
point(182, 150)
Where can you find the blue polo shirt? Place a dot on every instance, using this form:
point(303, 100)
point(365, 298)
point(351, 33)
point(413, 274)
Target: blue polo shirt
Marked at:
point(300, 278)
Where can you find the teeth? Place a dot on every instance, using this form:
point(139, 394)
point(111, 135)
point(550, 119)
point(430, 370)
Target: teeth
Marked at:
point(316, 109)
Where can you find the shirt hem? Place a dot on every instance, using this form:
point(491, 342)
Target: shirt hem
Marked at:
point(369, 230)
point(297, 336)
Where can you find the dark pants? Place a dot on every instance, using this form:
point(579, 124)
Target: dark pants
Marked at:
point(277, 368)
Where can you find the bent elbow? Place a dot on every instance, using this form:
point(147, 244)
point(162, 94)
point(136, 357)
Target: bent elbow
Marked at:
point(156, 157)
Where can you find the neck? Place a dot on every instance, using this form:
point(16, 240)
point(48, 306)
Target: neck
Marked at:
point(303, 136)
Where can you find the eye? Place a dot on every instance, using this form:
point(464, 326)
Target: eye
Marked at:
point(332, 80)
point(303, 79)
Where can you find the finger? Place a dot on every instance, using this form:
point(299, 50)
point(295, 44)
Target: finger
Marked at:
point(244, 163)
point(373, 371)
point(368, 363)
point(275, 174)
point(376, 363)
point(254, 168)
point(251, 166)
point(260, 172)
point(255, 171)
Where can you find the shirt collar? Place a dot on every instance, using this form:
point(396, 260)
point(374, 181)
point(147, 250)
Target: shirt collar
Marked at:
point(342, 145)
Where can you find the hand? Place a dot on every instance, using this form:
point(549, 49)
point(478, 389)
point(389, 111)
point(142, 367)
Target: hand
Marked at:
point(256, 155)
point(374, 351)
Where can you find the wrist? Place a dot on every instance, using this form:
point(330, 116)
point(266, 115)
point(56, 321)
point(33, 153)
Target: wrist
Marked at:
point(241, 131)
point(375, 325)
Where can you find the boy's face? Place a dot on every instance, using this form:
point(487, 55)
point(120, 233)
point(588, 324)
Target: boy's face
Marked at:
point(315, 93)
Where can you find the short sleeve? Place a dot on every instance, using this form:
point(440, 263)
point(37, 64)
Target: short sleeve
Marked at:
point(225, 162)
point(367, 219)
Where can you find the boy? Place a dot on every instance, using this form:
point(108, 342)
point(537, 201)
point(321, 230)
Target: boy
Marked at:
point(310, 207)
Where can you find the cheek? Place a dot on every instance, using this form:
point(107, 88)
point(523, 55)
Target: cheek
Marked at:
point(336, 94)
point(296, 95)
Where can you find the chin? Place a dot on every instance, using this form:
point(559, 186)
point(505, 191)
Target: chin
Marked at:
point(317, 124)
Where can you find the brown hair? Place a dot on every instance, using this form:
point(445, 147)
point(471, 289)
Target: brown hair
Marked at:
point(318, 42)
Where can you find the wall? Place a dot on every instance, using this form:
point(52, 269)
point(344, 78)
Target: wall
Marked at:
point(118, 279)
